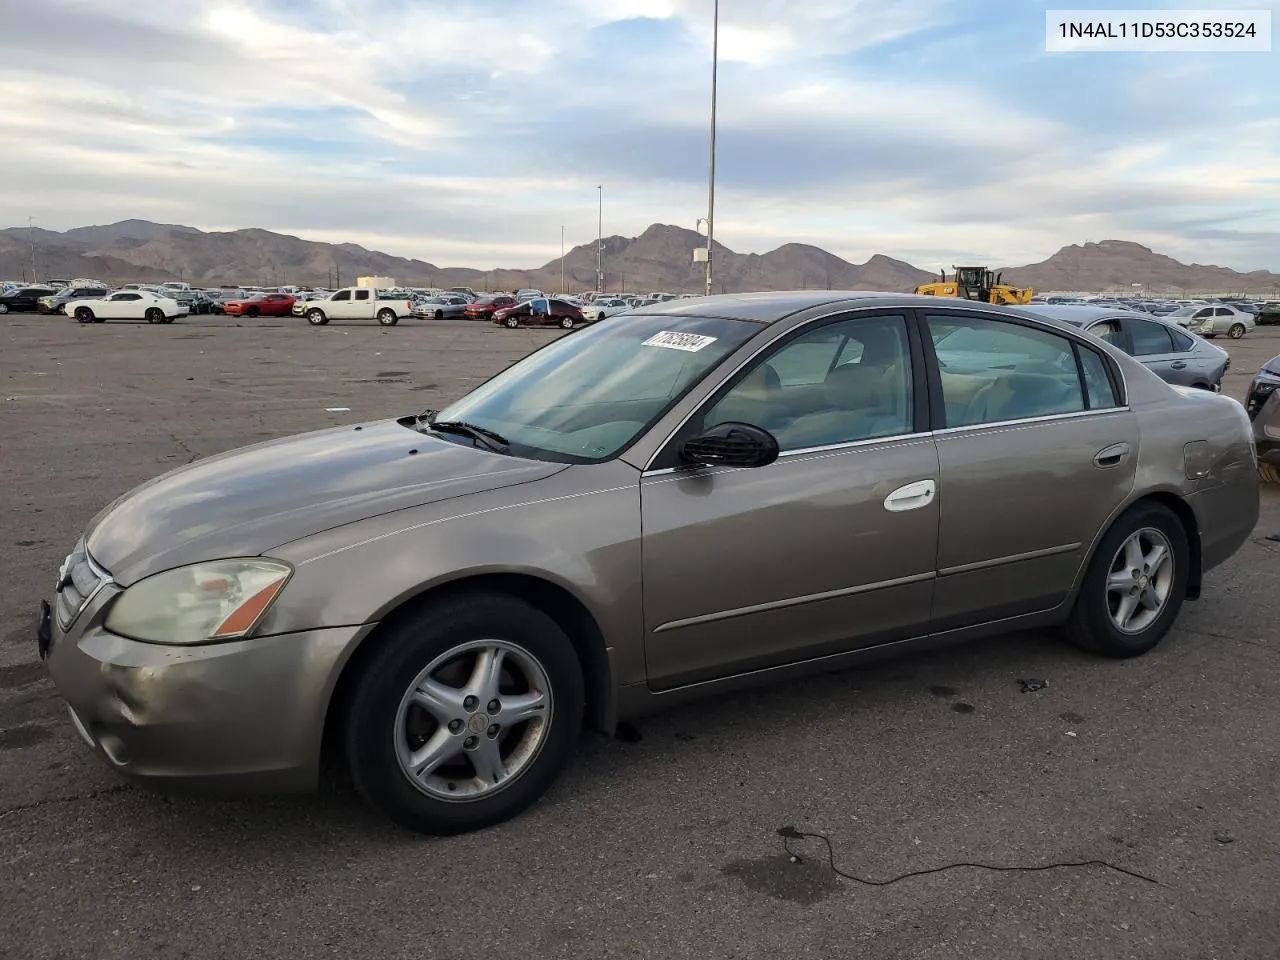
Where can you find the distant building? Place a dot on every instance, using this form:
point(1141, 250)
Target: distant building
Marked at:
point(382, 283)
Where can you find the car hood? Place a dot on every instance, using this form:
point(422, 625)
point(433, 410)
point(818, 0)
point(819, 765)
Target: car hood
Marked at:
point(246, 501)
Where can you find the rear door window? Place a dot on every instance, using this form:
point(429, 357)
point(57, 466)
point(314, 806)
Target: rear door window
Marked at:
point(1149, 339)
point(995, 370)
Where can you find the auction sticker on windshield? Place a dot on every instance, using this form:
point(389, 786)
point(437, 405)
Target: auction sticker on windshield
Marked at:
point(689, 342)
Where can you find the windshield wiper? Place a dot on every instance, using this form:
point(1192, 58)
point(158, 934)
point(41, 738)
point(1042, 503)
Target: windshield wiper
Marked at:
point(486, 438)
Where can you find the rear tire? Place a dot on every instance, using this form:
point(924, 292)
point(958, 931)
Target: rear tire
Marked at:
point(1237, 331)
point(154, 315)
point(1101, 605)
point(381, 732)
point(388, 318)
point(84, 315)
point(1269, 473)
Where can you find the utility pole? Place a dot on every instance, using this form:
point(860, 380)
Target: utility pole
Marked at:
point(31, 235)
point(600, 238)
point(563, 289)
point(711, 175)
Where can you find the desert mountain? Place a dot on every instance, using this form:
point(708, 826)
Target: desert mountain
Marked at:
point(661, 258)
point(1120, 264)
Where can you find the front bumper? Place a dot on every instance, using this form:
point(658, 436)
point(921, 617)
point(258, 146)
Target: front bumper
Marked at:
point(240, 717)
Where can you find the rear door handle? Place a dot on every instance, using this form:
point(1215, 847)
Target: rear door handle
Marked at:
point(1179, 364)
point(911, 497)
point(1112, 455)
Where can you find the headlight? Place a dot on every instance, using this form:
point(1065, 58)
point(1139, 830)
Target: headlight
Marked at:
point(1265, 380)
point(202, 603)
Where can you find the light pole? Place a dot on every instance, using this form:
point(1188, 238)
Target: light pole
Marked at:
point(600, 240)
point(563, 288)
point(31, 235)
point(711, 175)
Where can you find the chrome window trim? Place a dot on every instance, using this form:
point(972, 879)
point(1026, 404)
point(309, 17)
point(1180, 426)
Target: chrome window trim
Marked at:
point(830, 448)
point(1030, 421)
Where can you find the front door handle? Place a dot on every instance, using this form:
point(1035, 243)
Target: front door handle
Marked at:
point(1179, 364)
point(911, 497)
point(1112, 455)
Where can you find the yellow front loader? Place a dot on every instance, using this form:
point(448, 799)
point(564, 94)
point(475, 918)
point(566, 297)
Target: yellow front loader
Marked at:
point(976, 283)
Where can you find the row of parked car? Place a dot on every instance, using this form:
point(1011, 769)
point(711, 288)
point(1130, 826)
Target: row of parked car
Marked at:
point(1261, 311)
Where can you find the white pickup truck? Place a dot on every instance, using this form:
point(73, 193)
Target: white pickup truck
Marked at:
point(358, 303)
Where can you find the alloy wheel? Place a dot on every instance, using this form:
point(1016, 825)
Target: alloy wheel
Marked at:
point(473, 721)
point(1140, 580)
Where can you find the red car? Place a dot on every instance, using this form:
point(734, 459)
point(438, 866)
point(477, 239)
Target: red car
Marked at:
point(261, 305)
point(550, 313)
point(484, 308)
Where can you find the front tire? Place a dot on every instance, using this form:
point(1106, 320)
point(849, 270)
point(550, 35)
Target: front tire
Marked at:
point(1134, 585)
point(1237, 331)
point(388, 318)
point(439, 314)
point(567, 322)
point(1269, 473)
point(512, 322)
point(317, 318)
point(427, 735)
point(84, 315)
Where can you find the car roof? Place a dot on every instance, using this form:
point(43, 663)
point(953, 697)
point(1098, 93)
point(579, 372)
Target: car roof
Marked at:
point(1082, 313)
point(773, 306)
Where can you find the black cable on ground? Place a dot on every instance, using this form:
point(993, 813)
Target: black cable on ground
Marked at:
point(789, 833)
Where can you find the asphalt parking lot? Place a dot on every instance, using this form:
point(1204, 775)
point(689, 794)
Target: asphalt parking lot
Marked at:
point(664, 846)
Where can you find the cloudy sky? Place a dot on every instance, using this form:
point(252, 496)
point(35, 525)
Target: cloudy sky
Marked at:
point(467, 132)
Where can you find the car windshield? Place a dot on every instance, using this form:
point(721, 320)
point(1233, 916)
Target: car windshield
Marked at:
point(588, 395)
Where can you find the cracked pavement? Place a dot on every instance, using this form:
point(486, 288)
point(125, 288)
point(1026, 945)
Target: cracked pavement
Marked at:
point(667, 847)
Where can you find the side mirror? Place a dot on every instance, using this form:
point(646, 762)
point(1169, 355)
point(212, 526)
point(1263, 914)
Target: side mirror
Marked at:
point(731, 444)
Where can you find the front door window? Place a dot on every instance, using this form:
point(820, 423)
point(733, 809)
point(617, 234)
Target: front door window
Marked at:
point(840, 383)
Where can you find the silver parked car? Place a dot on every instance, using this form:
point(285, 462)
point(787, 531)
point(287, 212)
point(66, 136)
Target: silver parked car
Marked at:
point(603, 307)
point(438, 308)
point(1213, 319)
point(1172, 354)
point(715, 493)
